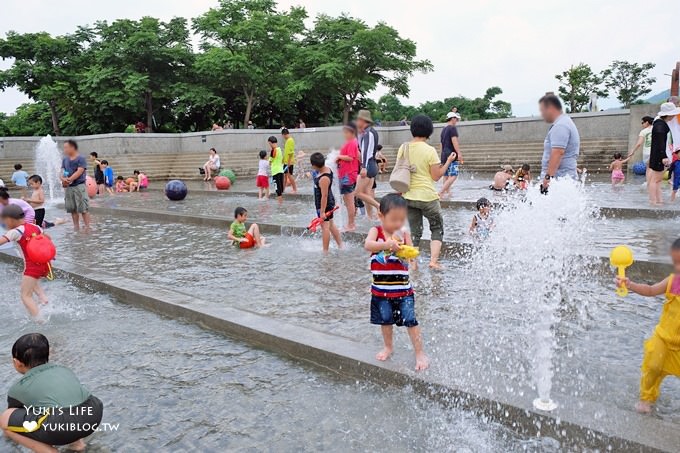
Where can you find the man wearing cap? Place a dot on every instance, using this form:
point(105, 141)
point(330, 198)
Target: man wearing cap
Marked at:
point(450, 145)
point(502, 178)
point(561, 145)
point(660, 153)
point(368, 146)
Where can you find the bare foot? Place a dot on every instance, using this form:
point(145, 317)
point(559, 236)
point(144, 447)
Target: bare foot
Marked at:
point(349, 229)
point(384, 354)
point(44, 302)
point(422, 361)
point(436, 266)
point(78, 445)
point(643, 407)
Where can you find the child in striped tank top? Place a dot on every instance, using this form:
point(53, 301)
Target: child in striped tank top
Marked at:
point(392, 299)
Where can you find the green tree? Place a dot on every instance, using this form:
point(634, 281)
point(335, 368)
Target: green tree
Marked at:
point(134, 65)
point(30, 119)
point(42, 68)
point(247, 45)
point(630, 81)
point(577, 84)
point(348, 58)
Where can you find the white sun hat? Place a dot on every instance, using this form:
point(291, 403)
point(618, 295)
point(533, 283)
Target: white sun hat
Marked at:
point(669, 109)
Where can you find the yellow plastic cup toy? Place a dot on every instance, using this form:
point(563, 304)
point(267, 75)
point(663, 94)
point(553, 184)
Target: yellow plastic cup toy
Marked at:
point(621, 257)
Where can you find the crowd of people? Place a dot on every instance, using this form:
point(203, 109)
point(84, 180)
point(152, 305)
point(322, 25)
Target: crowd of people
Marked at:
point(398, 227)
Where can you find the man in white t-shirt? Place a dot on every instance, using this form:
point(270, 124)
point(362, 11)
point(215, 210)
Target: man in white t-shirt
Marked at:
point(644, 139)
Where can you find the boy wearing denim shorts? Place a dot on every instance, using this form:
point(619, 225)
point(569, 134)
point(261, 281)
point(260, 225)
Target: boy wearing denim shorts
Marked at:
point(392, 296)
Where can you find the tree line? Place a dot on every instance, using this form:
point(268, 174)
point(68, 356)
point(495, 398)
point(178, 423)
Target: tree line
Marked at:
point(629, 82)
point(254, 62)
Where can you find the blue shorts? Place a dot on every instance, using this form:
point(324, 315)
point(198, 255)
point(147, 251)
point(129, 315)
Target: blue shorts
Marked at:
point(452, 170)
point(400, 311)
point(347, 189)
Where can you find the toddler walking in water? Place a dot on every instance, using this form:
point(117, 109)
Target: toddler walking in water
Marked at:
point(20, 232)
point(662, 349)
point(616, 168)
point(262, 181)
point(392, 299)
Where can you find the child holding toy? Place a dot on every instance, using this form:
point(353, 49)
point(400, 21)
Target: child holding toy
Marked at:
point(662, 348)
point(392, 300)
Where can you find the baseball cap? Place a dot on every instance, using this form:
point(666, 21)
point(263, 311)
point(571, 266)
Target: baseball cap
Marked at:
point(452, 115)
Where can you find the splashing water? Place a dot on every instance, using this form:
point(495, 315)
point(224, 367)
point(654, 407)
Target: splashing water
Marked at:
point(48, 165)
point(531, 259)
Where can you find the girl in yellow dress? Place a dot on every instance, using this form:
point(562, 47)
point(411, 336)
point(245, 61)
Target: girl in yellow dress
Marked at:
point(662, 348)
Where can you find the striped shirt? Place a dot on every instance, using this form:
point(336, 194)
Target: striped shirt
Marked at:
point(390, 274)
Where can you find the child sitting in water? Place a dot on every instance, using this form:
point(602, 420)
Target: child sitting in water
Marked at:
point(262, 181)
point(502, 179)
point(121, 185)
point(616, 168)
point(662, 349)
point(324, 201)
point(242, 238)
point(674, 174)
point(523, 177)
point(482, 221)
point(142, 180)
point(20, 232)
point(48, 405)
point(392, 300)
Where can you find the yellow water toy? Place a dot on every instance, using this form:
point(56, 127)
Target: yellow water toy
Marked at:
point(621, 257)
point(407, 252)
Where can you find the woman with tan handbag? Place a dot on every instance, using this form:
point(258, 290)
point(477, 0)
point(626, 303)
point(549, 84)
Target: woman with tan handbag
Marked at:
point(422, 196)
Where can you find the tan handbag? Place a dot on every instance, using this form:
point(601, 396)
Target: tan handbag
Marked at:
point(400, 179)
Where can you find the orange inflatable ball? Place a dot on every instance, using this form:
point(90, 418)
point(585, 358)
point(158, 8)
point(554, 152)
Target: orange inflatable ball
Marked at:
point(91, 186)
point(222, 183)
point(130, 180)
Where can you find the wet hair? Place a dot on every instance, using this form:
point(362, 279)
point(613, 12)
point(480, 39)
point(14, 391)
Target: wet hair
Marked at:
point(4, 194)
point(526, 167)
point(18, 167)
point(36, 178)
point(13, 212)
point(676, 244)
point(392, 201)
point(317, 160)
point(551, 100)
point(213, 150)
point(238, 212)
point(136, 172)
point(94, 154)
point(105, 162)
point(284, 131)
point(482, 202)
point(263, 154)
point(379, 148)
point(272, 139)
point(421, 126)
point(119, 178)
point(617, 156)
point(351, 126)
point(72, 143)
point(32, 350)
point(647, 119)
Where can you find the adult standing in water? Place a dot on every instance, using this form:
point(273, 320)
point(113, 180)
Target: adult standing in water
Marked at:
point(74, 168)
point(289, 158)
point(422, 197)
point(450, 145)
point(562, 143)
point(659, 153)
point(368, 146)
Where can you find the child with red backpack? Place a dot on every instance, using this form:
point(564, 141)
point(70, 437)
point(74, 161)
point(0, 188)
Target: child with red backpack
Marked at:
point(36, 259)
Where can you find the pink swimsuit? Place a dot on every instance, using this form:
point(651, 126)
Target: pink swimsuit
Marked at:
point(618, 175)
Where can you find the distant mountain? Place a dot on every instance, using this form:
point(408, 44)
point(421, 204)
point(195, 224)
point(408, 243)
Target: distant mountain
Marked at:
point(659, 97)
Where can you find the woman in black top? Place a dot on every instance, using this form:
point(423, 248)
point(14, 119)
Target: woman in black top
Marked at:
point(658, 158)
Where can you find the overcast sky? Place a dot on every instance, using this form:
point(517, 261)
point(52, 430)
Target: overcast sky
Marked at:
point(517, 45)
